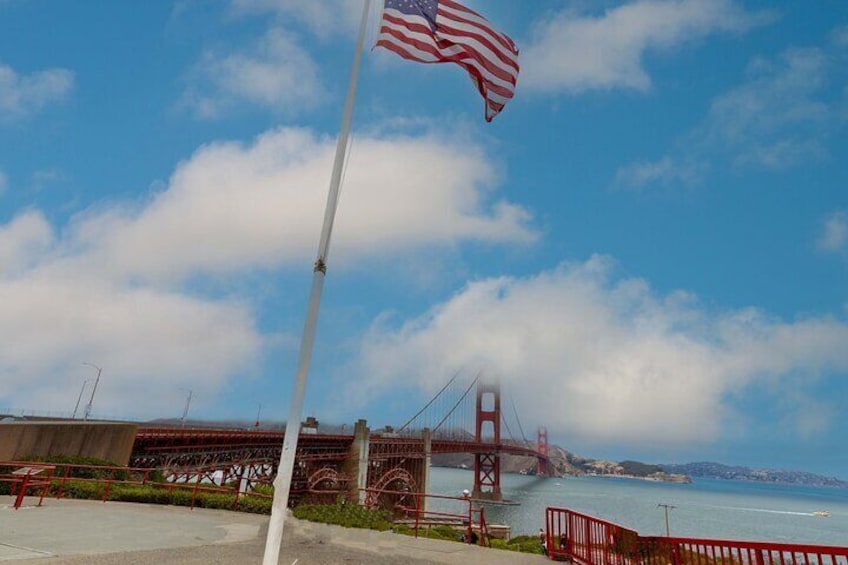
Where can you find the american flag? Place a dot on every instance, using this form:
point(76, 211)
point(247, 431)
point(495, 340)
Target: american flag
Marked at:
point(445, 31)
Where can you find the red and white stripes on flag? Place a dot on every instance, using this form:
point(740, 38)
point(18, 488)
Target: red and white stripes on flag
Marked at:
point(455, 35)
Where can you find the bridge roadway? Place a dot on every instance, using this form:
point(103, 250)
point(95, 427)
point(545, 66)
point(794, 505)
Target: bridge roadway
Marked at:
point(318, 446)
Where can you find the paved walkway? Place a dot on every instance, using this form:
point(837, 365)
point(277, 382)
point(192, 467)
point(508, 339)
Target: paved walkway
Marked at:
point(93, 533)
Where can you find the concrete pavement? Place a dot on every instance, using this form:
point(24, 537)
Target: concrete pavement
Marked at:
point(96, 533)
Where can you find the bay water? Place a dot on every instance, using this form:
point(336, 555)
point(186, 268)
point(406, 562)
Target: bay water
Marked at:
point(706, 508)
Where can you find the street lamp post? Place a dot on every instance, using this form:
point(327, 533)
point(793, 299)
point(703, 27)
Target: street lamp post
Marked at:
point(93, 390)
point(187, 404)
point(85, 382)
point(667, 507)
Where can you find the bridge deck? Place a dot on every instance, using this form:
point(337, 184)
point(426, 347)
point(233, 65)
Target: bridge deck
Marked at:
point(176, 440)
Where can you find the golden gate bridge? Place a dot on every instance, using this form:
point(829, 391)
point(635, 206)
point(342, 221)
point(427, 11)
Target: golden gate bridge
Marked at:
point(457, 420)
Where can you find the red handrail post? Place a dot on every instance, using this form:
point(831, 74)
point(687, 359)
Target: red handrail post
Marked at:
point(65, 476)
point(108, 485)
point(470, 519)
point(417, 511)
point(238, 489)
point(194, 490)
point(20, 498)
point(45, 486)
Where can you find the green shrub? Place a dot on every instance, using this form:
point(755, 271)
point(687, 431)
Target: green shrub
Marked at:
point(345, 514)
point(267, 490)
point(445, 533)
point(155, 476)
point(84, 473)
point(403, 529)
point(214, 500)
point(254, 504)
point(501, 544)
point(77, 489)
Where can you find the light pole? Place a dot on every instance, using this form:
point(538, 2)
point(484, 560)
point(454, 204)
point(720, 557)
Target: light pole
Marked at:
point(667, 507)
point(85, 382)
point(187, 404)
point(93, 390)
point(259, 411)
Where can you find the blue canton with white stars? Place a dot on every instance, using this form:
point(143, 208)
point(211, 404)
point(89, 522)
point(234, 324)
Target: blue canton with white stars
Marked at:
point(425, 8)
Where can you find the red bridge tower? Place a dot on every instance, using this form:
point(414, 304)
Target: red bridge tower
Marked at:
point(543, 467)
point(487, 466)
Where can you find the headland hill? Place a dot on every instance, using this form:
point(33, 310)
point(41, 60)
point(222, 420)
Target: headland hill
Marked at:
point(567, 464)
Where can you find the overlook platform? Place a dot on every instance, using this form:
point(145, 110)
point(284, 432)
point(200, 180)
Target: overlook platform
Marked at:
point(81, 532)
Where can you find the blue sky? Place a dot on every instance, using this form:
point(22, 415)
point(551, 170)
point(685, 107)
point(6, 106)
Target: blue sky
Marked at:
point(649, 246)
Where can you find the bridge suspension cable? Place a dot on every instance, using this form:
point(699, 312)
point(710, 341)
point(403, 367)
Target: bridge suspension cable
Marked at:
point(458, 402)
point(515, 411)
point(432, 400)
point(506, 425)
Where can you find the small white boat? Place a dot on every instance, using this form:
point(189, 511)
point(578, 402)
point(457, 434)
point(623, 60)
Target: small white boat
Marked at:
point(822, 513)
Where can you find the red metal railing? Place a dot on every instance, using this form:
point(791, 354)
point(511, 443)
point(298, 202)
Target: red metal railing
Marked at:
point(61, 475)
point(470, 519)
point(588, 540)
point(25, 478)
point(681, 551)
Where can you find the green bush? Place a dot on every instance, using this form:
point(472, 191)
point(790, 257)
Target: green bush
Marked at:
point(345, 514)
point(445, 533)
point(254, 504)
point(501, 544)
point(83, 473)
point(267, 490)
point(155, 476)
point(403, 529)
point(77, 489)
point(149, 493)
point(523, 544)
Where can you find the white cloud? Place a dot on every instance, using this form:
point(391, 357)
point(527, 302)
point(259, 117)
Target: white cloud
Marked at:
point(666, 172)
point(109, 287)
point(782, 115)
point(23, 95)
point(839, 36)
point(606, 358)
point(23, 239)
point(834, 235)
point(275, 73)
point(323, 18)
point(233, 206)
point(57, 313)
point(779, 116)
point(573, 52)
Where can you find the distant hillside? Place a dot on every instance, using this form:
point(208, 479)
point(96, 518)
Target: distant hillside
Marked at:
point(565, 464)
point(708, 470)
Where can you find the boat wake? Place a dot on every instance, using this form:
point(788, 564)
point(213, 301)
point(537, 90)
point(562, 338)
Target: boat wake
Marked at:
point(768, 511)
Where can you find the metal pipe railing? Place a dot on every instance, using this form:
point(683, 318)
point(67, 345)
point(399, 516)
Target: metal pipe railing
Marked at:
point(587, 540)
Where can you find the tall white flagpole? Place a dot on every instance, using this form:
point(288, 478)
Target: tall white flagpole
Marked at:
point(282, 484)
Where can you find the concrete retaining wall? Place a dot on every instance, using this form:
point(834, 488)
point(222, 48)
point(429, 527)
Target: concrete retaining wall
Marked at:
point(112, 442)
